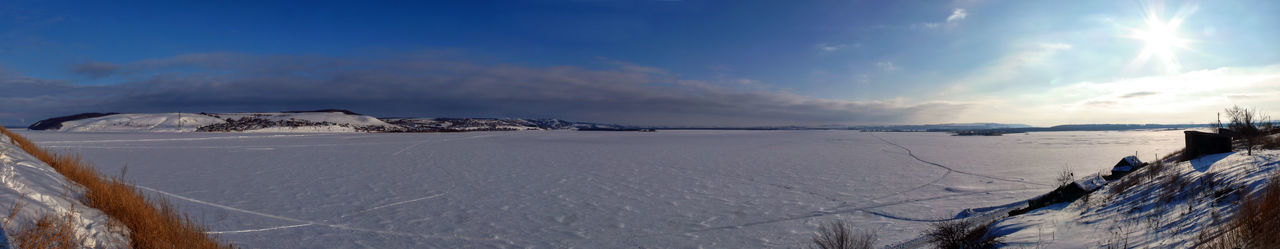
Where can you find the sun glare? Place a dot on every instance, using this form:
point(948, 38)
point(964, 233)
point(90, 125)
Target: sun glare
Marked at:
point(1161, 41)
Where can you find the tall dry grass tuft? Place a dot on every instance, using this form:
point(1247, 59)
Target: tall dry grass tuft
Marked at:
point(1256, 223)
point(152, 222)
point(51, 231)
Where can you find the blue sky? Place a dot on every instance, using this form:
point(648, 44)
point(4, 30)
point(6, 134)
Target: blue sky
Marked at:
point(725, 63)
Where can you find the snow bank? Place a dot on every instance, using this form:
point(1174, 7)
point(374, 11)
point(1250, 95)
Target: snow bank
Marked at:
point(41, 191)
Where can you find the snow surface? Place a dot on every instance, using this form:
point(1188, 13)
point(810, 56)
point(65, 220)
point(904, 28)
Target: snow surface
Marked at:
point(41, 190)
point(566, 189)
point(153, 122)
point(188, 122)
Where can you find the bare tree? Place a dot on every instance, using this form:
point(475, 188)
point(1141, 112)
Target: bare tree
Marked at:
point(1248, 124)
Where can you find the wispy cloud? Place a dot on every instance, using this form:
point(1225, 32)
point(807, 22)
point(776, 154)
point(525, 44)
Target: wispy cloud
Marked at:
point(832, 47)
point(423, 86)
point(1011, 68)
point(957, 15)
point(1137, 95)
point(886, 66)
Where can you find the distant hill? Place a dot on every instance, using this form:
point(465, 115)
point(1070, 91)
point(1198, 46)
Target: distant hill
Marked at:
point(326, 120)
point(55, 123)
point(339, 120)
point(943, 127)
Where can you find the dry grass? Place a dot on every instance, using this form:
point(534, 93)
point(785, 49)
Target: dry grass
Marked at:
point(838, 236)
point(51, 231)
point(152, 222)
point(17, 207)
point(1256, 223)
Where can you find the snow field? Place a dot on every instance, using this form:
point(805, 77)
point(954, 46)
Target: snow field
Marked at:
point(564, 189)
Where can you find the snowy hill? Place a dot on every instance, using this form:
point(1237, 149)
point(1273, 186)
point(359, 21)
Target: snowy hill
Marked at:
point(1164, 205)
point(336, 121)
point(331, 120)
point(39, 190)
point(297, 122)
point(490, 124)
point(1175, 206)
point(153, 122)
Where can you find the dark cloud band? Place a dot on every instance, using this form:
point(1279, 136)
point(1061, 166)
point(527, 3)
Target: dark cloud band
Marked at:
point(421, 86)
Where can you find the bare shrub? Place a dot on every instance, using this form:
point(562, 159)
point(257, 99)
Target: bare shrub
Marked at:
point(837, 235)
point(962, 234)
point(1066, 177)
point(152, 222)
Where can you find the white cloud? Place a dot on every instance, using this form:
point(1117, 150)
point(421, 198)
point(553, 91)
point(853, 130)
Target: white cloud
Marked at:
point(886, 66)
point(1178, 98)
point(832, 47)
point(957, 15)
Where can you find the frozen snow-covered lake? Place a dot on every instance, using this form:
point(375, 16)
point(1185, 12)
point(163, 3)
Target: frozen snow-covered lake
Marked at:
point(562, 189)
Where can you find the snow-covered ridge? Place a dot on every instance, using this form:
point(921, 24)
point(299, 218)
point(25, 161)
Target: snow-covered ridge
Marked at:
point(325, 121)
point(153, 122)
point(40, 190)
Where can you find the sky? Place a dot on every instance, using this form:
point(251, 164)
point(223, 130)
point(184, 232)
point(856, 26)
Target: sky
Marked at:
point(664, 63)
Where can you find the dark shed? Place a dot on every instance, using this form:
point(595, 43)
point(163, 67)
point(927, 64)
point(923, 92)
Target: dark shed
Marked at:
point(1202, 143)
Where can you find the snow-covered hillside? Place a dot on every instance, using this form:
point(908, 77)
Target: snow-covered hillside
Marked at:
point(250, 122)
point(297, 122)
point(1176, 207)
point(294, 122)
point(151, 122)
point(39, 190)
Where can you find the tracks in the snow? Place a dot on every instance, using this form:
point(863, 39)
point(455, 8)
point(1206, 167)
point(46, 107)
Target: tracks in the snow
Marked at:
point(305, 223)
point(949, 169)
point(843, 208)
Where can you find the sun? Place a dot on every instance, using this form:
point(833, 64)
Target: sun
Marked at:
point(1161, 41)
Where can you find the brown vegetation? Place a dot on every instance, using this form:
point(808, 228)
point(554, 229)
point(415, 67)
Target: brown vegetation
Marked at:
point(1256, 223)
point(152, 222)
point(51, 231)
